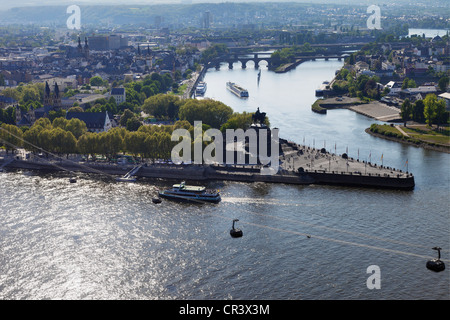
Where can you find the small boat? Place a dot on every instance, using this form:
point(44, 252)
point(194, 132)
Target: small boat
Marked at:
point(183, 192)
point(73, 180)
point(156, 200)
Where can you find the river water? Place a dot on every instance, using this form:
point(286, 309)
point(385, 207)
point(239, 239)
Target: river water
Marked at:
point(100, 239)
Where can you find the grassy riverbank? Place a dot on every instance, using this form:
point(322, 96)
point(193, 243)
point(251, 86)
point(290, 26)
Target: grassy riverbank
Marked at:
point(418, 135)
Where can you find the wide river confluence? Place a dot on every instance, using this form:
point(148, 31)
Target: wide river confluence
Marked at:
point(100, 239)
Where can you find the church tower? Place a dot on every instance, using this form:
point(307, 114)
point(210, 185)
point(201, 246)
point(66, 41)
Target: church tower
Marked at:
point(56, 97)
point(52, 98)
point(80, 47)
point(47, 95)
point(86, 48)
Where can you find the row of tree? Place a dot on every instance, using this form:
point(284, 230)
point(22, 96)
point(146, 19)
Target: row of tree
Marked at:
point(69, 137)
point(430, 110)
point(64, 136)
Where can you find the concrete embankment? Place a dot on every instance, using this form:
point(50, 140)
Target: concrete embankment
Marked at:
point(359, 180)
point(374, 109)
point(223, 173)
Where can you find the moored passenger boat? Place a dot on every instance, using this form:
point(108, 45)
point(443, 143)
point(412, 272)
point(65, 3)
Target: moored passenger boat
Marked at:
point(201, 88)
point(183, 192)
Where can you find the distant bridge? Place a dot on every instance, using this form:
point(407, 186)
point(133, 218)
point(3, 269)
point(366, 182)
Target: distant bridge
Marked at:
point(336, 46)
point(243, 58)
point(326, 57)
point(257, 57)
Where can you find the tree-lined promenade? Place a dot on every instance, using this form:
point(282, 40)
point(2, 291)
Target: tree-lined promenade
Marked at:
point(64, 137)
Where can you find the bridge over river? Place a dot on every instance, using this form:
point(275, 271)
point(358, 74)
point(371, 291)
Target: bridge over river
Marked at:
point(257, 57)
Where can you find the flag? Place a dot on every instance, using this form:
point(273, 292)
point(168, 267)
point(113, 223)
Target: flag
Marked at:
point(381, 156)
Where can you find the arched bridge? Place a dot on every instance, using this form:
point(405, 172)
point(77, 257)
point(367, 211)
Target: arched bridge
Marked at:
point(243, 58)
point(257, 57)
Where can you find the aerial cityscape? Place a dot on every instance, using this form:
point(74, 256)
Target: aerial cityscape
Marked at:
point(133, 135)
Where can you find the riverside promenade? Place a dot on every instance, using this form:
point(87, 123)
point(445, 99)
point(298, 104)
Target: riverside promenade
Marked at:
point(299, 165)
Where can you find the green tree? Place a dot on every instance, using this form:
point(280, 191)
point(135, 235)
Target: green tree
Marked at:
point(31, 141)
point(441, 114)
point(8, 115)
point(151, 146)
point(88, 144)
point(11, 136)
point(213, 52)
point(412, 84)
point(30, 93)
point(56, 114)
point(240, 121)
point(163, 106)
point(60, 123)
point(127, 114)
point(418, 111)
point(114, 140)
point(76, 127)
point(443, 83)
point(406, 111)
point(405, 83)
point(96, 81)
point(133, 124)
point(43, 122)
point(62, 142)
point(45, 140)
point(276, 59)
point(76, 109)
point(430, 108)
point(135, 142)
point(211, 112)
point(165, 145)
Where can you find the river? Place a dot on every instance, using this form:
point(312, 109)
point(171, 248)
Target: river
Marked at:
point(100, 239)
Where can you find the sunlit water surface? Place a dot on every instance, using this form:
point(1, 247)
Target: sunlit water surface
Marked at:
point(100, 239)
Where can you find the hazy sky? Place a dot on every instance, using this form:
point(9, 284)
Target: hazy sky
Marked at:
point(7, 4)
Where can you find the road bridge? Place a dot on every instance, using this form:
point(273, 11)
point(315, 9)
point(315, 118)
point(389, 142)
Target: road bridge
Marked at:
point(257, 57)
point(243, 58)
point(331, 47)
